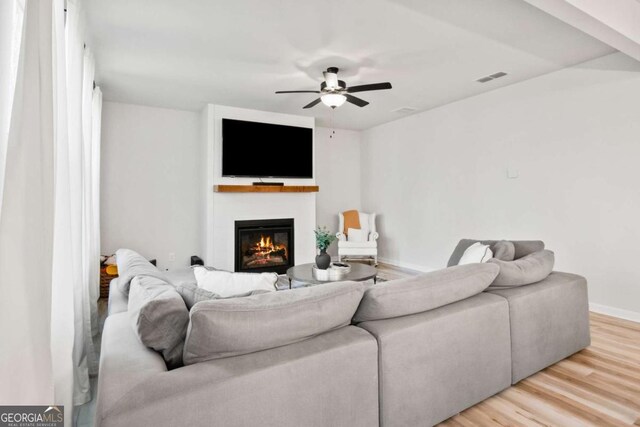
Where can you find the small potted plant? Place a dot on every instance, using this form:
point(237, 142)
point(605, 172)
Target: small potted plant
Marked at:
point(323, 239)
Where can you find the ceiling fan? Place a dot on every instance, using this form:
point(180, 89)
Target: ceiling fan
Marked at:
point(335, 92)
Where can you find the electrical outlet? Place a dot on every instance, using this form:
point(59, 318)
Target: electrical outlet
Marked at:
point(513, 173)
point(172, 256)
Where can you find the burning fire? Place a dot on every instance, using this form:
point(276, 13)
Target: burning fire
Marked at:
point(265, 243)
point(265, 252)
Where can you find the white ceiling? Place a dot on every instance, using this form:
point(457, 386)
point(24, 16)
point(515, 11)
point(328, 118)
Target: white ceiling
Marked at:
point(184, 54)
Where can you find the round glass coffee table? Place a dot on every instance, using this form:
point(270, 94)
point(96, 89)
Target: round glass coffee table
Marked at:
point(359, 272)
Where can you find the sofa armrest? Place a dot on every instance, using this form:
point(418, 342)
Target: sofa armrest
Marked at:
point(258, 388)
point(341, 236)
point(373, 236)
point(125, 363)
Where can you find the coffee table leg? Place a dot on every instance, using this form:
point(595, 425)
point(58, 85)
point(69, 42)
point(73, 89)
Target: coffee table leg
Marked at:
point(375, 279)
point(289, 282)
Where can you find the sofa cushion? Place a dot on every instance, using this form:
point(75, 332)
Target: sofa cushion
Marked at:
point(433, 365)
point(159, 317)
point(504, 250)
point(424, 292)
point(229, 327)
point(227, 284)
point(178, 276)
point(526, 247)
point(521, 248)
point(549, 321)
point(193, 294)
point(132, 264)
point(524, 271)
point(118, 301)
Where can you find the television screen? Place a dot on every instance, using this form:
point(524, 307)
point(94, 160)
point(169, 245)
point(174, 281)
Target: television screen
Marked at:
point(252, 149)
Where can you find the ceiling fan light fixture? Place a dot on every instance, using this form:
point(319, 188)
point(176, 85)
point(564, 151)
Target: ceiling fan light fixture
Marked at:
point(333, 100)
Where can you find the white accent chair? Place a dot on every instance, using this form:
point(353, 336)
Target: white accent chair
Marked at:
point(366, 249)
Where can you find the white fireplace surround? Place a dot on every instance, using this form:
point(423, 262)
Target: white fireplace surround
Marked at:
point(223, 209)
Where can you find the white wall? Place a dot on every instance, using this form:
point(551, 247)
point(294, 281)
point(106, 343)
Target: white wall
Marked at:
point(151, 182)
point(573, 136)
point(338, 175)
point(156, 187)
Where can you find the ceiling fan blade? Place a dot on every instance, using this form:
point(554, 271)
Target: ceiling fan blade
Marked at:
point(312, 104)
point(356, 101)
point(373, 86)
point(298, 91)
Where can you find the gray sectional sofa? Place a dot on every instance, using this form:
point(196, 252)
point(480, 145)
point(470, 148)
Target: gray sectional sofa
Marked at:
point(408, 352)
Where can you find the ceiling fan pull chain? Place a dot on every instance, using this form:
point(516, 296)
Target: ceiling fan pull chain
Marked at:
point(333, 131)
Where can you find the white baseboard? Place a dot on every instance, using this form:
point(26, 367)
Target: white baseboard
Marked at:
point(634, 316)
point(416, 267)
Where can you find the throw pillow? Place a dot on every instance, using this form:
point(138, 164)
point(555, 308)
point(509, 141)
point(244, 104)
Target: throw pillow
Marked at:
point(192, 294)
point(504, 250)
point(356, 235)
point(159, 317)
point(228, 284)
point(524, 271)
point(476, 253)
point(425, 292)
point(231, 327)
point(522, 248)
point(351, 220)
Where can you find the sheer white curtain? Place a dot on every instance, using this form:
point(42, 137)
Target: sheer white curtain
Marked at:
point(26, 218)
point(11, 19)
point(91, 238)
point(49, 202)
point(80, 74)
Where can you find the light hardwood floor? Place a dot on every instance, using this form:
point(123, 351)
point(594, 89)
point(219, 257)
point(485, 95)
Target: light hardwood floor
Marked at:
point(599, 386)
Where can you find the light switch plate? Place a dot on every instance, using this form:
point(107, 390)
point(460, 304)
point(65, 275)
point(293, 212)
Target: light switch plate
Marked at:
point(512, 173)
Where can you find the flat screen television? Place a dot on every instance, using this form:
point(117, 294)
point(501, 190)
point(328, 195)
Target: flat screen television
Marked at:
point(252, 149)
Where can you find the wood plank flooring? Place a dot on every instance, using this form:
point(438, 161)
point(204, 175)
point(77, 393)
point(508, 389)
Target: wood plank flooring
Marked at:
point(599, 386)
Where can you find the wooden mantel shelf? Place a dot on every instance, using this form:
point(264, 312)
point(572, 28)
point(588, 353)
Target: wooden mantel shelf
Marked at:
point(266, 188)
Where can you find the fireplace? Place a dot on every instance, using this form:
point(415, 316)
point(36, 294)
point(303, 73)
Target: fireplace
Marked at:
point(264, 245)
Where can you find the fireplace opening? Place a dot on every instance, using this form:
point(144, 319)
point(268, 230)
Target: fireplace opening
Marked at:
point(264, 245)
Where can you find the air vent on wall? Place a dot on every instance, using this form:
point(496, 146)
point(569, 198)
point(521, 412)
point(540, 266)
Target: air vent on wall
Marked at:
point(405, 110)
point(491, 77)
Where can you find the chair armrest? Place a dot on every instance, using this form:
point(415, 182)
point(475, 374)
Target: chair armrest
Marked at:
point(373, 236)
point(341, 237)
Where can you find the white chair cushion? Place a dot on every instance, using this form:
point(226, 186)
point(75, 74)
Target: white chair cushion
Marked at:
point(365, 244)
point(356, 235)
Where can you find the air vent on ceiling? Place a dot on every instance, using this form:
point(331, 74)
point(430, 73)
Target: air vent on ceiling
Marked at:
point(491, 77)
point(405, 110)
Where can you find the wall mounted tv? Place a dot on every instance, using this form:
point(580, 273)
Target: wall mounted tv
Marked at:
point(252, 149)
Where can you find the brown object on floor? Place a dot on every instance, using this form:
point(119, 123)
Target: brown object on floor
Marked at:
point(351, 220)
point(105, 280)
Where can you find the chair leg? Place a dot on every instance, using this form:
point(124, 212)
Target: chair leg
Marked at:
point(375, 261)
